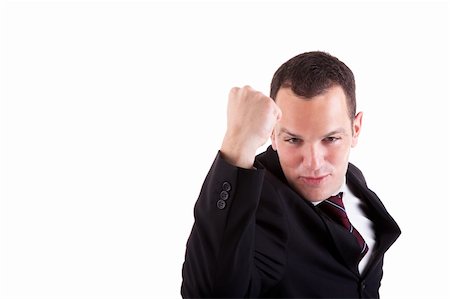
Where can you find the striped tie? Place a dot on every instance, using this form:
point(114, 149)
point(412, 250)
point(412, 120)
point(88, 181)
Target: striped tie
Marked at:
point(334, 208)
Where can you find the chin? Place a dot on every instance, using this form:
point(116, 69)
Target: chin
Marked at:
point(314, 195)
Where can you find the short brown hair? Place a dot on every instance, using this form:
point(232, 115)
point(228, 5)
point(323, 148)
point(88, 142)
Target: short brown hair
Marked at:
point(312, 73)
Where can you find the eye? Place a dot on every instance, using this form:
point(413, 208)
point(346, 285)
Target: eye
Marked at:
point(293, 140)
point(331, 139)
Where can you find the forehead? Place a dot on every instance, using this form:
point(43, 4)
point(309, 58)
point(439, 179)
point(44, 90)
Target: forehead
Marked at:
point(319, 114)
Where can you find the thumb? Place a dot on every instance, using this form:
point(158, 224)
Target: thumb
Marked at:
point(277, 112)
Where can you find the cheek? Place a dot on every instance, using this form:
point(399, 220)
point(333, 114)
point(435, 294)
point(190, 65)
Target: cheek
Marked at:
point(289, 157)
point(338, 156)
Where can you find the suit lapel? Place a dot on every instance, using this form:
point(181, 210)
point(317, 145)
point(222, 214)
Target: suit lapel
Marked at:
point(387, 230)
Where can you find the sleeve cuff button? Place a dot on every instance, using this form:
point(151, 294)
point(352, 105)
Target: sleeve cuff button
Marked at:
point(224, 195)
point(221, 204)
point(226, 186)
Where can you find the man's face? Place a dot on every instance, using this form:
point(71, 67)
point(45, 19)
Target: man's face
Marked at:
point(313, 140)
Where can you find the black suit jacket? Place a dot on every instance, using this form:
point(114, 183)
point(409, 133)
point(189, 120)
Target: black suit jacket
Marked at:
point(254, 236)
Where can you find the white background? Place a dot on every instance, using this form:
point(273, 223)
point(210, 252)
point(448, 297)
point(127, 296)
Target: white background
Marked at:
point(112, 112)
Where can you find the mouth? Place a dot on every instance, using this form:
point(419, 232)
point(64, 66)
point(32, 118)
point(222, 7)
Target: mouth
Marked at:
point(314, 181)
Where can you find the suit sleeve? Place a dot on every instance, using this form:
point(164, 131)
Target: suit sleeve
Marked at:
point(219, 260)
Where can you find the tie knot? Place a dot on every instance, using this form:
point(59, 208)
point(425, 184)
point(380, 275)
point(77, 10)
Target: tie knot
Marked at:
point(337, 200)
point(334, 207)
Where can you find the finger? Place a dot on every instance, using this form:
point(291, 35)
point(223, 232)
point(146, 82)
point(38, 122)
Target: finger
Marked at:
point(234, 90)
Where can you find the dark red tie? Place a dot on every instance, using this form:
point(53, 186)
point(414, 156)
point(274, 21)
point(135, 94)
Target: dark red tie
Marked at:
point(334, 208)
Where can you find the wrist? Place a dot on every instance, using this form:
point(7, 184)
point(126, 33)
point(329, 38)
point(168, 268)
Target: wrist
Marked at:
point(238, 155)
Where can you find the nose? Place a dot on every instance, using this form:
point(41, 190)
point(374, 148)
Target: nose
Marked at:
point(313, 157)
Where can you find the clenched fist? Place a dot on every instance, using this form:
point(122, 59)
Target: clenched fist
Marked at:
point(251, 118)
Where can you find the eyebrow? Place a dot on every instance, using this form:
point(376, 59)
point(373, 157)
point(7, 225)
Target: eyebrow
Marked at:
point(338, 131)
point(285, 131)
point(334, 132)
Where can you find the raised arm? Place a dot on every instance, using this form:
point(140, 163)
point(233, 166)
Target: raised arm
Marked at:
point(220, 254)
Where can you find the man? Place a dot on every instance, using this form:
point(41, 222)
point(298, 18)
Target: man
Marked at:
point(298, 220)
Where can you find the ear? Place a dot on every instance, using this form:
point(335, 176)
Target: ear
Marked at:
point(274, 140)
point(357, 122)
